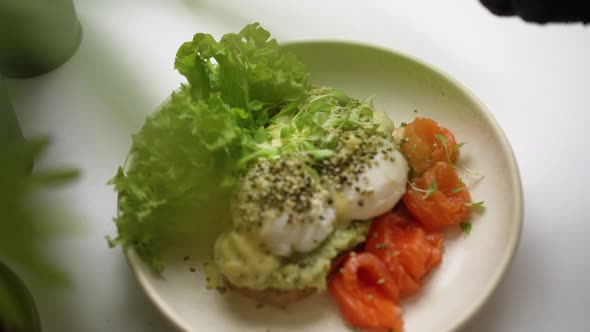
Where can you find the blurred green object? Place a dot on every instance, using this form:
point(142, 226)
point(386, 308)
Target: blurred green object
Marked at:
point(17, 307)
point(25, 223)
point(9, 128)
point(18, 303)
point(37, 36)
point(10, 131)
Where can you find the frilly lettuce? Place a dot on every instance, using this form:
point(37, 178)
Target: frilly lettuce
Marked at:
point(245, 98)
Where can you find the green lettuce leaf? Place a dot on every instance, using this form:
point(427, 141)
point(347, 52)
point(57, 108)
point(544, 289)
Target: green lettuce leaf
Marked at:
point(247, 68)
point(245, 99)
point(180, 173)
point(184, 161)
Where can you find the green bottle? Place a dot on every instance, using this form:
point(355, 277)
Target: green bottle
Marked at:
point(36, 36)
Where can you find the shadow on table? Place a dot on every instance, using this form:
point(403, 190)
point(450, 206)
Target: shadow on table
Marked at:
point(139, 308)
point(217, 10)
point(511, 297)
point(112, 81)
point(124, 105)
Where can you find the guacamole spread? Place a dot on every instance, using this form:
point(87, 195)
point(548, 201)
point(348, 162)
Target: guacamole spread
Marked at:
point(246, 263)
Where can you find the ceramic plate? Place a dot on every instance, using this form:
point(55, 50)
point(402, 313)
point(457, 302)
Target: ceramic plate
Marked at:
point(472, 267)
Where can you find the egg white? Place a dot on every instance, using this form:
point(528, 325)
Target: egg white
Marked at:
point(285, 230)
point(284, 227)
point(301, 235)
point(378, 189)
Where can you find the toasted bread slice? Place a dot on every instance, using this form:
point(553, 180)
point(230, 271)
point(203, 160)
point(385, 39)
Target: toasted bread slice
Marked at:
point(275, 297)
point(283, 298)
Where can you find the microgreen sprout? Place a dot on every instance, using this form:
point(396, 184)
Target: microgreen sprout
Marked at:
point(428, 192)
point(443, 140)
point(456, 148)
point(466, 227)
point(458, 189)
point(479, 204)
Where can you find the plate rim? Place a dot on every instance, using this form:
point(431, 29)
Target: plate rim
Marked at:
point(180, 324)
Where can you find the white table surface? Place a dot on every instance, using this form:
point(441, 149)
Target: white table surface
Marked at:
point(535, 80)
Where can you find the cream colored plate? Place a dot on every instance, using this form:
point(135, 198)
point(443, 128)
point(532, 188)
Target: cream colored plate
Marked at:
point(472, 266)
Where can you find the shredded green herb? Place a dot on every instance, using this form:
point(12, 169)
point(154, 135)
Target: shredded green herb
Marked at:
point(457, 147)
point(443, 141)
point(432, 187)
point(458, 189)
point(466, 227)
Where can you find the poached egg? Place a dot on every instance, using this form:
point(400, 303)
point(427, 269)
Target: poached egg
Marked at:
point(292, 207)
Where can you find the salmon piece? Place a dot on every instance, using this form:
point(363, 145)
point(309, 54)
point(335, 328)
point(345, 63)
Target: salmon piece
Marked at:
point(409, 252)
point(423, 147)
point(438, 198)
point(366, 294)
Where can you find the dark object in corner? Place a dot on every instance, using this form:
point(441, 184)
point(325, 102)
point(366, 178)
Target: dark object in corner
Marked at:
point(37, 36)
point(542, 11)
point(26, 310)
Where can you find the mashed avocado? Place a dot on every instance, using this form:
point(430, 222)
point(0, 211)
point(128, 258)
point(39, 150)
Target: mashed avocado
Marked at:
point(247, 263)
point(290, 215)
